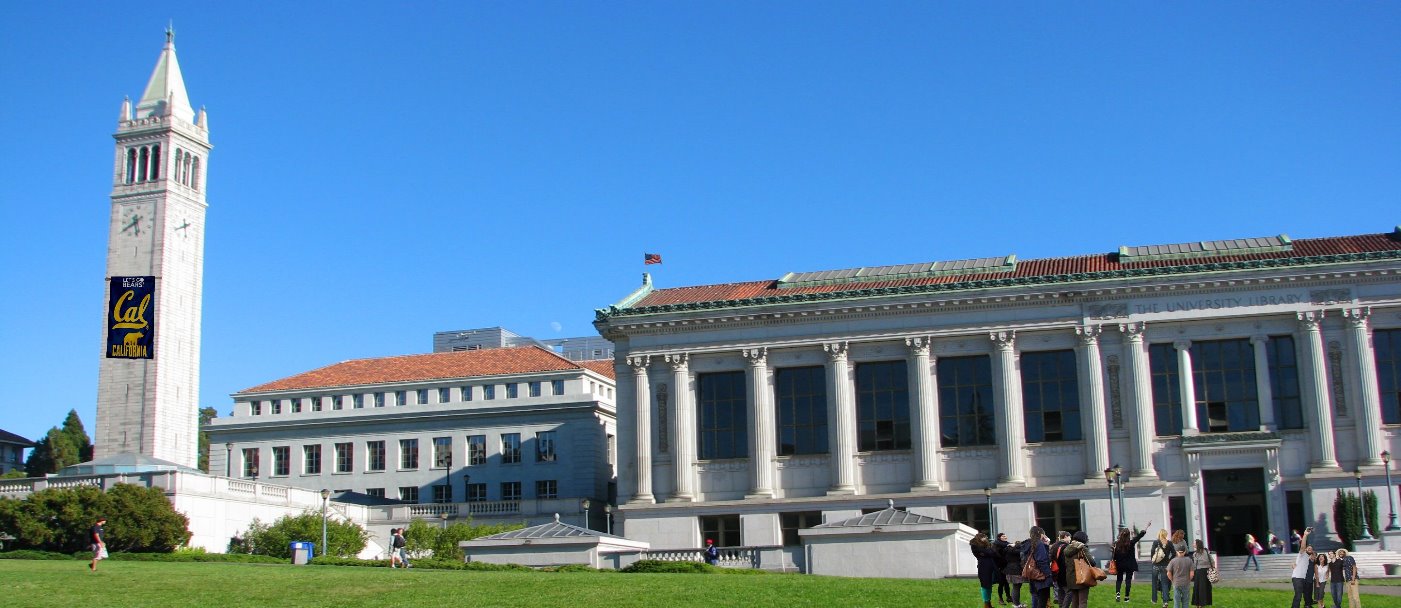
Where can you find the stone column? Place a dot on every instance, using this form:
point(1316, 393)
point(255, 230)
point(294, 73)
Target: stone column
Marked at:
point(1091, 375)
point(1263, 391)
point(762, 436)
point(1186, 385)
point(1196, 500)
point(924, 413)
point(1369, 407)
point(841, 414)
point(683, 425)
point(1140, 400)
point(1007, 392)
point(1314, 381)
point(642, 493)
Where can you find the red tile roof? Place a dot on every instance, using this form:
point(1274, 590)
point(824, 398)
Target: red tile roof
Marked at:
point(433, 366)
point(602, 366)
point(1047, 267)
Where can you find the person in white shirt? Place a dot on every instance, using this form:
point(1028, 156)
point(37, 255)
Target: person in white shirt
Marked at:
point(1300, 576)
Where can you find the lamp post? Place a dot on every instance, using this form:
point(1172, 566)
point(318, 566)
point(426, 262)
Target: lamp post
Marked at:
point(228, 460)
point(1109, 481)
point(325, 496)
point(992, 521)
point(1362, 502)
point(1119, 480)
point(585, 504)
point(1390, 506)
point(444, 517)
point(608, 518)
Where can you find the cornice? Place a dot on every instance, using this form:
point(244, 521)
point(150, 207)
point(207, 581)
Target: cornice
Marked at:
point(278, 422)
point(614, 312)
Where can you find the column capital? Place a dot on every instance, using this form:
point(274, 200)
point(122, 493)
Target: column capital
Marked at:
point(639, 363)
point(1357, 317)
point(755, 356)
point(836, 351)
point(918, 345)
point(1133, 331)
point(677, 361)
point(1182, 344)
point(1309, 320)
point(1260, 339)
point(1089, 334)
point(1004, 340)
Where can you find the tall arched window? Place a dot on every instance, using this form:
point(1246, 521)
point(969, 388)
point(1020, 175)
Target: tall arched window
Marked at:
point(130, 165)
point(179, 166)
point(155, 162)
point(194, 175)
point(143, 164)
point(189, 161)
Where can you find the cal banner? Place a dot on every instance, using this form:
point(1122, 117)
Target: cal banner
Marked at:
point(131, 308)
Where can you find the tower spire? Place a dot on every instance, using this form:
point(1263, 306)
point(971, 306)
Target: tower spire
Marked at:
point(165, 91)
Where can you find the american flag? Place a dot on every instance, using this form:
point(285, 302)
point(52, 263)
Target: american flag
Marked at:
point(651, 258)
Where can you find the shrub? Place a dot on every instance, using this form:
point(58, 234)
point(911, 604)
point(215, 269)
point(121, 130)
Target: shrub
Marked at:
point(345, 538)
point(32, 554)
point(138, 519)
point(426, 539)
point(651, 566)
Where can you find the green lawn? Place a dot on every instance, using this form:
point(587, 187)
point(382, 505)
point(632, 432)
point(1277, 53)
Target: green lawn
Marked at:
point(156, 584)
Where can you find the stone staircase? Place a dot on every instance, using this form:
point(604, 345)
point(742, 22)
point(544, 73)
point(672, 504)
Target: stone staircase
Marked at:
point(1371, 564)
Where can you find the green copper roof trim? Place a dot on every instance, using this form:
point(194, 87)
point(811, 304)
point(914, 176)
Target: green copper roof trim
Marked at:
point(1205, 249)
point(603, 314)
point(637, 294)
point(879, 274)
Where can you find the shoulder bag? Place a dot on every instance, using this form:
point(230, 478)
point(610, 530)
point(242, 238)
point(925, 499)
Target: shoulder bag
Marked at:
point(1113, 567)
point(1029, 570)
point(1086, 574)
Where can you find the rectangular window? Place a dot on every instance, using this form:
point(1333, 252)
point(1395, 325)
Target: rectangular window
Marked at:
point(511, 390)
point(721, 406)
point(345, 458)
point(408, 494)
point(444, 395)
point(255, 408)
point(466, 393)
point(882, 406)
point(488, 391)
point(1387, 346)
point(276, 406)
point(476, 492)
point(510, 448)
point(510, 490)
point(1050, 396)
point(442, 452)
point(546, 489)
point(723, 529)
point(476, 449)
point(374, 452)
point(557, 387)
point(965, 401)
point(408, 453)
point(296, 405)
point(534, 389)
point(800, 398)
point(281, 460)
point(421, 397)
point(375, 492)
point(1224, 378)
point(401, 398)
point(250, 462)
point(1058, 515)
point(976, 516)
point(442, 493)
point(316, 404)
point(1284, 382)
point(338, 402)
point(1162, 366)
point(358, 401)
point(545, 446)
point(790, 523)
point(311, 459)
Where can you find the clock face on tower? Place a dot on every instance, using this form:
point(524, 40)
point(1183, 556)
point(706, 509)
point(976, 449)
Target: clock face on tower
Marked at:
point(136, 220)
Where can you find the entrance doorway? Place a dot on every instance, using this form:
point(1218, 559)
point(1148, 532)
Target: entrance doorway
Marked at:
point(1235, 506)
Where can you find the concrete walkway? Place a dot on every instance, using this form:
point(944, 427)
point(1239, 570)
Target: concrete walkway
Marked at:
point(1391, 590)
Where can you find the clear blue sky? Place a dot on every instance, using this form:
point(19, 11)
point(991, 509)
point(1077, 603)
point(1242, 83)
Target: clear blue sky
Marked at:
point(382, 172)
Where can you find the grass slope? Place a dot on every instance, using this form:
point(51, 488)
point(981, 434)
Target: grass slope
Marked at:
point(68, 583)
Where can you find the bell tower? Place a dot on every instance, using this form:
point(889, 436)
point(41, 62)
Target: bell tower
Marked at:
point(148, 375)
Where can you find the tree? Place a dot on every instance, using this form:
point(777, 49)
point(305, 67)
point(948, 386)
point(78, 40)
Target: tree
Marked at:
point(139, 520)
point(206, 414)
point(51, 453)
point(424, 538)
point(1347, 517)
point(73, 428)
point(345, 538)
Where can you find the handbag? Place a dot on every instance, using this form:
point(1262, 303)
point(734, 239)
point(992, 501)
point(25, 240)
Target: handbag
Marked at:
point(1113, 567)
point(1213, 575)
point(1086, 574)
point(1029, 570)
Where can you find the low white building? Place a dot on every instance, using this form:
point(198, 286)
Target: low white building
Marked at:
point(996, 392)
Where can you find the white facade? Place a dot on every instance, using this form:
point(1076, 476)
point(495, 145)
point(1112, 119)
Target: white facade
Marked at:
point(1072, 372)
point(150, 406)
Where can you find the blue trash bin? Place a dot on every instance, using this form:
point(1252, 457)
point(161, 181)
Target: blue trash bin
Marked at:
point(302, 552)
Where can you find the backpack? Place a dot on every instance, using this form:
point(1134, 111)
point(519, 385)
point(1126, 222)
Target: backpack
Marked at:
point(1159, 554)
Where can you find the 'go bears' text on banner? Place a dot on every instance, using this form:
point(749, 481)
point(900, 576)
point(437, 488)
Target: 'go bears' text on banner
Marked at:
point(130, 312)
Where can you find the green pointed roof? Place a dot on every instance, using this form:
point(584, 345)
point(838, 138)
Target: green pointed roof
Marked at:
point(166, 87)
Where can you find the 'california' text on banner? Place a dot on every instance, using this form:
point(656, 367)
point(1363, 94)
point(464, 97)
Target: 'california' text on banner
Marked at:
point(130, 310)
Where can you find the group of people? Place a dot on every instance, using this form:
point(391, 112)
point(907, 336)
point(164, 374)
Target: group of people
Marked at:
point(398, 553)
point(1180, 576)
point(1316, 572)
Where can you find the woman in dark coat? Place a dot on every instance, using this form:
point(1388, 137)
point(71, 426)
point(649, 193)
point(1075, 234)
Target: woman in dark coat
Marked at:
point(987, 566)
point(1035, 549)
point(1004, 590)
point(1126, 561)
point(1012, 572)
